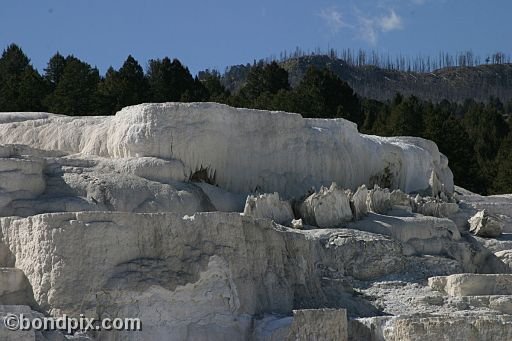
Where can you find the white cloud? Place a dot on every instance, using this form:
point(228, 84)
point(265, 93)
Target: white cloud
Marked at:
point(366, 30)
point(401, 3)
point(333, 18)
point(367, 26)
point(390, 22)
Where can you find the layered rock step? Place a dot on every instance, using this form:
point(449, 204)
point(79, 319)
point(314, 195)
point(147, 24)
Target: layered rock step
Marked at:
point(473, 284)
point(304, 325)
point(214, 271)
point(486, 225)
point(499, 206)
point(18, 310)
point(319, 324)
point(433, 327)
point(15, 288)
point(131, 264)
point(20, 178)
point(492, 291)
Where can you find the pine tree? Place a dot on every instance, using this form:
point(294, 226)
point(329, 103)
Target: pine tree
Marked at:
point(323, 94)
point(264, 80)
point(32, 90)
point(448, 132)
point(487, 128)
point(371, 109)
point(55, 69)
point(76, 92)
point(109, 92)
point(503, 181)
point(406, 117)
point(169, 81)
point(198, 93)
point(125, 87)
point(21, 86)
point(212, 82)
point(13, 61)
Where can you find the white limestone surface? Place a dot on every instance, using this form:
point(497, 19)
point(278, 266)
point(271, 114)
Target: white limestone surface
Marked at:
point(473, 284)
point(241, 150)
point(269, 206)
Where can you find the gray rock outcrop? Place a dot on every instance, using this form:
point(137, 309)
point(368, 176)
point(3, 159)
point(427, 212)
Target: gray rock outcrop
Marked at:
point(319, 324)
point(330, 207)
point(269, 206)
point(485, 225)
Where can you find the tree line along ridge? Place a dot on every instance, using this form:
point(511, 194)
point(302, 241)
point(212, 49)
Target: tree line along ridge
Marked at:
point(476, 136)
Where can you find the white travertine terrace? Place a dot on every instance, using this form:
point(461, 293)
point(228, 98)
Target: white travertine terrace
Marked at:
point(209, 222)
point(242, 149)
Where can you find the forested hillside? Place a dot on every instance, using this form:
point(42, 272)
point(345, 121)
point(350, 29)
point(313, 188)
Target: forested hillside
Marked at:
point(474, 135)
point(454, 83)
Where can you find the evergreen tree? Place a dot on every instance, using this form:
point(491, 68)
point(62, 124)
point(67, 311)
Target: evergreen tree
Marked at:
point(264, 79)
point(32, 89)
point(406, 117)
point(55, 69)
point(508, 108)
point(322, 94)
point(133, 82)
point(21, 86)
point(503, 181)
point(372, 110)
point(109, 92)
point(169, 81)
point(198, 92)
point(77, 90)
point(398, 99)
point(125, 87)
point(495, 103)
point(434, 118)
point(487, 128)
point(448, 132)
point(13, 61)
point(212, 82)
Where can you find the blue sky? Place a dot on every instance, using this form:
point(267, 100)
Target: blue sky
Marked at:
point(215, 34)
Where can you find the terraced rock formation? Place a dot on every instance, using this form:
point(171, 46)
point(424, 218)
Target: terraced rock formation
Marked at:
point(212, 223)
